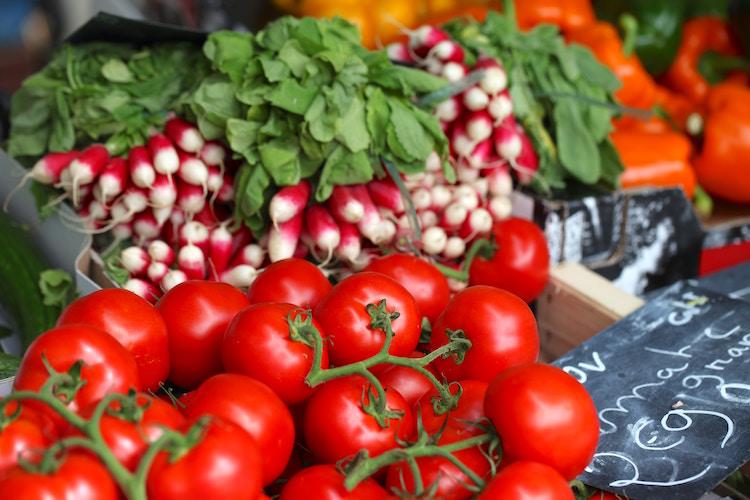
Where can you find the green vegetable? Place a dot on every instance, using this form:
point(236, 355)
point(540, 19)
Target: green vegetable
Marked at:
point(303, 99)
point(31, 294)
point(562, 96)
point(659, 27)
point(102, 92)
point(8, 365)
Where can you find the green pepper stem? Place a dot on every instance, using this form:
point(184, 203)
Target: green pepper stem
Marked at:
point(629, 25)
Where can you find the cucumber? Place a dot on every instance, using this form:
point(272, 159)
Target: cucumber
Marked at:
point(21, 265)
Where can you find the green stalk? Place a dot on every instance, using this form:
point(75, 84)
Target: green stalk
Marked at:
point(480, 246)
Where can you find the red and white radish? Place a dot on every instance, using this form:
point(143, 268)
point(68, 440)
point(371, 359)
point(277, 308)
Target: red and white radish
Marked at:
point(479, 126)
point(428, 218)
point(421, 198)
point(527, 162)
point(323, 229)
point(48, 169)
point(190, 198)
point(226, 193)
point(86, 167)
point(193, 171)
point(163, 192)
point(163, 154)
point(454, 247)
point(145, 227)
point(500, 182)
point(288, 202)
point(156, 271)
point(424, 38)
point(251, 254)
point(441, 196)
point(195, 233)
point(143, 289)
point(213, 154)
point(494, 80)
point(282, 240)
point(500, 107)
point(192, 261)
point(434, 240)
point(241, 276)
point(466, 196)
point(187, 136)
point(479, 221)
point(215, 179)
point(500, 207)
point(113, 180)
point(454, 215)
point(475, 99)
point(385, 194)
point(344, 204)
point(173, 278)
point(135, 260)
point(220, 249)
point(507, 140)
point(159, 251)
point(447, 51)
point(448, 110)
point(350, 244)
point(399, 52)
point(141, 169)
point(453, 71)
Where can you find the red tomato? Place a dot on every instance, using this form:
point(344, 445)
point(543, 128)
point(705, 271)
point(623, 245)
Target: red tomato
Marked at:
point(544, 415)
point(501, 327)
point(424, 281)
point(197, 314)
point(527, 481)
point(293, 281)
point(79, 477)
point(335, 426)
point(258, 344)
point(135, 323)
point(324, 482)
point(107, 366)
point(344, 317)
point(255, 408)
point(451, 481)
point(411, 384)
point(127, 440)
point(27, 432)
point(470, 408)
point(521, 262)
point(225, 464)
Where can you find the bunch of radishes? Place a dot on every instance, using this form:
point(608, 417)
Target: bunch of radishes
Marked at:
point(479, 121)
point(170, 196)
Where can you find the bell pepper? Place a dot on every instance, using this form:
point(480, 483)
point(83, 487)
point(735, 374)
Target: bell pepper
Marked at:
point(638, 88)
point(702, 39)
point(567, 14)
point(723, 166)
point(655, 159)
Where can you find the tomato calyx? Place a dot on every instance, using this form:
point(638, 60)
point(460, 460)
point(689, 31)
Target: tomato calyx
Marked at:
point(374, 404)
point(64, 386)
point(481, 247)
point(380, 318)
point(179, 445)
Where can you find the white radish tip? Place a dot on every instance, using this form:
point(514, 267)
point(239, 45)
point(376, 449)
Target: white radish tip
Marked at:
point(192, 141)
point(241, 276)
point(480, 220)
point(166, 161)
point(454, 247)
point(172, 279)
point(428, 218)
point(441, 196)
point(434, 240)
point(354, 211)
point(494, 81)
point(476, 99)
point(500, 207)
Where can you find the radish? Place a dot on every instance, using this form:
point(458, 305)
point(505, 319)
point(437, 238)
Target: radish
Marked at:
point(527, 162)
point(288, 202)
point(399, 52)
point(282, 240)
point(192, 262)
point(163, 154)
point(447, 51)
point(454, 215)
point(240, 238)
point(500, 182)
point(173, 278)
point(212, 216)
point(480, 155)
point(479, 221)
point(479, 126)
point(156, 271)
point(475, 99)
point(252, 255)
point(163, 192)
point(441, 196)
point(193, 171)
point(481, 186)
point(461, 145)
point(145, 227)
point(428, 218)
point(143, 289)
point(45, 171)
point(433, 66)
point(190, 198)
point(424, 38)
point(213, 154)
point(220, 249)
point(454, 247)
point(122, 231)
point(453, 71)
point(215, 179)
point(323, 228)
point(494, 81)
point(433, 163)
point(226, 193)
point(448, 110)
point(421, 198)
point(113, 179)
point(385, 194)
point(345, 206)
point(86, 167)
point(241, 276)
point(135, 260)
point(159, 251)
point(185, 135)
point(350, 244)
point(141, 170)
point(500, 107)
point(507, 140)
point(466, 196)
point(434, 240)
point(466, 174)
point(383, 232)
point(195, 233)
point(500, 207)
point(162, 215)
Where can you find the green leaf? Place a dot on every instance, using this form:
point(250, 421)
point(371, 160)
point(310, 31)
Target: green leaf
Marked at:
point(568, 61)
point(294, 57)
point(577, 148)
point(230, 52)
point(343, 168)
point(409, 132)
point(117, 71)
point(63, 136)
point(378, 116)
point(251, 197)
point(275, 71)
point(592, 70)
point(612, 166)
point(9, 365)
point(241, 135)
point(279, 158)
point(292, 97)
point(352, 129)
point(43, 198)
point(56, 286)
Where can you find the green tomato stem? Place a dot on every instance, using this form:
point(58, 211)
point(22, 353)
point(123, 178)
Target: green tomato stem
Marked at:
point(481, 246)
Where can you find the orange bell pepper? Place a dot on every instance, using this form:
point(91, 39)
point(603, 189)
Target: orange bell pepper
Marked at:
point(638, 88)
point(699, 35)
point(567, 14)
point(723, 166)
point(655, 159)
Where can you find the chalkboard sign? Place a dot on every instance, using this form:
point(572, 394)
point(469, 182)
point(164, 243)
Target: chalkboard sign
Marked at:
point(734, 281)
point(671, 383)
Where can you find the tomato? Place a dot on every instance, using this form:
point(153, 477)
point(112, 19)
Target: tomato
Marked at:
point(544, 415)
point(527, 481)
point(424, 281)
point(335, 425)
point(127, 440)
point(293, 281)
point(324, 482)
point(135, 323)
point(78, 477)
point(344, 317)
point(411, 384)
point(225, 464)
point(500, 326)
point(451, 481)
point(470, 408)
point(521, 262)
point(256, 409)
point(107, 366)
point(197, 314)
point(27, 432)
point(258, 344)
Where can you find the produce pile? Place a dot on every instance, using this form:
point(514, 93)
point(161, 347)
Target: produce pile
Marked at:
point(298, 388)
